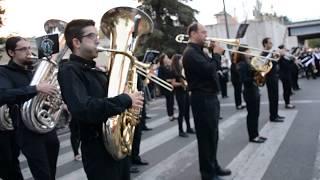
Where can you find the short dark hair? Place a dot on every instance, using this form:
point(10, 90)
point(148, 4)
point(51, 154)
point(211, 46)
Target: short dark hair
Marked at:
point(192, 28)
point(161, 58)
point(281, 46)
point(11, 43)
point(74, 30)
point(265, 41)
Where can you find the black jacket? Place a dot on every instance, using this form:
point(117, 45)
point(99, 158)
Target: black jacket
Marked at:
point(200, 70)
point(15, 88)
point(84, 90)
point(246, 74)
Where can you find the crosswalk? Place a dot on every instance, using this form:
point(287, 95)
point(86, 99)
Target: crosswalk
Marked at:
point(174, 156)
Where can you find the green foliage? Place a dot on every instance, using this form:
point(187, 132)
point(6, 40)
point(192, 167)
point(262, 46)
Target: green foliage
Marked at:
point(2, 11)
point(314, 43)
point(170, 18)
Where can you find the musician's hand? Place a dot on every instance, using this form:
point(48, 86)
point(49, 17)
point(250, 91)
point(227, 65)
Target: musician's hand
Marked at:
point(46, 88)
point(217, 49)
point(137, 99)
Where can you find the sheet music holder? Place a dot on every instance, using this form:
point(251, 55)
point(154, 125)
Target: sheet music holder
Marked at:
point(47, 45)
point(242, 30)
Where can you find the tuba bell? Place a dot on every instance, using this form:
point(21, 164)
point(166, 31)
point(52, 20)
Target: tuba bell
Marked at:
point(123, 26)
point(41, 113)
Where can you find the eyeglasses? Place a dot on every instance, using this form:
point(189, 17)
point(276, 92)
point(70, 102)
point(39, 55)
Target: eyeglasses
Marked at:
point(23, 49)
point(92, 36)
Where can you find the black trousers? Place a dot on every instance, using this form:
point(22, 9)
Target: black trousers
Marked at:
point(237, 92)
point(41, 152)
point(136, 142)
point(295, 77)
point(74, 136)
point(223, 86)
point(183, 101)
point(9, 153)
point(100, 165)
point(170, 103)
point(252, 98)
point(287, 89)
point(205, 109)
point(273, 95)
point(143, 122)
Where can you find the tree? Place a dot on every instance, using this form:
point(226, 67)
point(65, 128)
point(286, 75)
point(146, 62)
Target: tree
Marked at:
point(170, 18)
point(2, 11)
point(314, 43)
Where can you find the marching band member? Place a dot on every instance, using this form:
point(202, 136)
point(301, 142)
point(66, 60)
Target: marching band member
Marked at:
point(40, 150)
point(182, 95)
point(285, 71)
point(251, 95)
point(165, 72)
point(272, 80)
point(202, 78)
point(84, 90)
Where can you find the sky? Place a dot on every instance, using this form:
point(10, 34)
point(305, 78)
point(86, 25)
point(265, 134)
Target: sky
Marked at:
point(26, 17)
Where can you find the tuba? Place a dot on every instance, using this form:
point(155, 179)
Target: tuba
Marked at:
point(5, 120)
point(123, 26)
point(41, 113)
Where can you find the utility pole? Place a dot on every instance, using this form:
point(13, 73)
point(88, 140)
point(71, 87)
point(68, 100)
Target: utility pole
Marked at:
point(226, 20)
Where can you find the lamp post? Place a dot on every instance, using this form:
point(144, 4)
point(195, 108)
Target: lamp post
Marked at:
point(226, 20)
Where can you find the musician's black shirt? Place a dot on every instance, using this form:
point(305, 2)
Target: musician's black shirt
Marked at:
point(285, 68)
point(200, 70)
point(15, 88)
point(84, 90)
point(246, 74)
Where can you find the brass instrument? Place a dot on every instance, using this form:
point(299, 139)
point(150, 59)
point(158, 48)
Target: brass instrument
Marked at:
point(123, 26)
point(5, 120)
point(261, 64)
point(41, 113)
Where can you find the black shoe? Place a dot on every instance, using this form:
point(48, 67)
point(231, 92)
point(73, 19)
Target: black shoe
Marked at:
point(140, 162)
point(145, 128)
point(223, 172)
point(216, 178)
point(220, 118)
point(183, 134)
point(172, 118)
point(240, 107)
point(258, 140)
point(190, 131)
point(263, 138)
point(280, 117)
point(147, 117)
point(134, 170)
point(289, 106)
point(276, 120)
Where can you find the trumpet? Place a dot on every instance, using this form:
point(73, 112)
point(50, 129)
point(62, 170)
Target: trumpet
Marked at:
point(183, 38)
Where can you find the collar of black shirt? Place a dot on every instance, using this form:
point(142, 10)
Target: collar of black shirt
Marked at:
point(196, 46)
point(86, 63)
point(16, 66)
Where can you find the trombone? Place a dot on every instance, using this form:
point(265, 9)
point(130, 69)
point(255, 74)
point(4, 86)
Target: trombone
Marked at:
point(142, 68)
point(183, 38)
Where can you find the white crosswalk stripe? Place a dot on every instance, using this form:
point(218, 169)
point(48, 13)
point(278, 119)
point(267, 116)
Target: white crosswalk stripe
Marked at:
point(243, 165)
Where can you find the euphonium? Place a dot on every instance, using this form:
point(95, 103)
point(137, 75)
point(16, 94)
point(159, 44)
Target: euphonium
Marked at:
point(41, 113)
point(5, 120)
point(123, 26)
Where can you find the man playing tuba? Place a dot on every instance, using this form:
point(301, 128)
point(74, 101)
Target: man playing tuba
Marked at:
point(84, 90)
point(40, 150)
